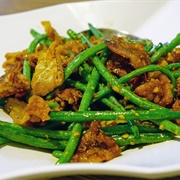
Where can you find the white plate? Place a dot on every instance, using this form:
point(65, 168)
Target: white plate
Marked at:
point(156, 20)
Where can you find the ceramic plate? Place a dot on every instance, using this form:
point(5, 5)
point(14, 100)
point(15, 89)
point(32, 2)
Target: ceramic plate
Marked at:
point(156, 20)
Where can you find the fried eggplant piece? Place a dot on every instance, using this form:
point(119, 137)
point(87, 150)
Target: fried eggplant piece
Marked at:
point(95, 146)
point(17, 111)
point(157, 89)
point(51, 32)
point(174, 55)
point(176, 107)
point(13, 82)
point(12, 58)
point(68, 96)
point(48, 72)
point(118, 65)
point(133, 51)
point(38, 109)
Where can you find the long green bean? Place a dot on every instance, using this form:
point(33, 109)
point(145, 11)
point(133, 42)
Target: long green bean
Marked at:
point(32, 140)
point(176, 74)
point(4, 140)
point(38, 132)
point(166, 48)
point(124, 128)
point(95, 31)
point(71, 145)
point(78, 60)
point(167, 125)
point(57, 153)
point(111, 115)
point(145, 138)
point(173, 66)
point(76, 84)
point(34, 33)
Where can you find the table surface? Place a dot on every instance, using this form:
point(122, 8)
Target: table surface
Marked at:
point(14, 6)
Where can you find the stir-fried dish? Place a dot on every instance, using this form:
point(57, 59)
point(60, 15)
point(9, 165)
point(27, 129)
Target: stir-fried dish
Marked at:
point(88, 99)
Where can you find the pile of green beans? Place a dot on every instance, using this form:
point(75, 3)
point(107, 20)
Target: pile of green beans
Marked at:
point(99, 86)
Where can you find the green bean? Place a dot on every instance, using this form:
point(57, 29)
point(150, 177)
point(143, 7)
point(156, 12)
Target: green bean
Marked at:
point(175, 74)
point(124, 128)
point(34, 33)
point(95, 31)
point(134, 128)
point(57, 153)
point(101, 93)
point(87, 67)
point(145, 138)
point(79, 59)
point(64, 143)
point(35, 42)
point(27, 69)
point(84, 39)
point(167, 125)
point(50, 95)
point(88, 94)
point(71, 145)
point(166, 48)
point(116, 102)
point(160, 45)
point(173, 66)
point(53, 104)
point(85, 116)
point(31, 140)
point(38, 132)
point(71, 34)
point(148, 44)
point(76, 84)
point(84, 73)
point(4, 140)
point(111, 105)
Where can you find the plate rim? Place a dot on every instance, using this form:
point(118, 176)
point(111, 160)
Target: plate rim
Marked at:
point(77, 169)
